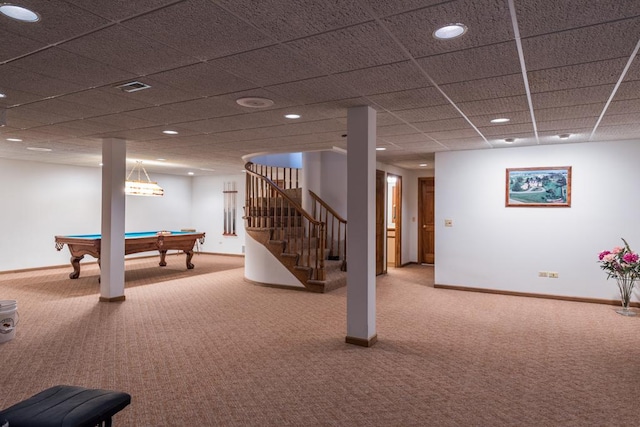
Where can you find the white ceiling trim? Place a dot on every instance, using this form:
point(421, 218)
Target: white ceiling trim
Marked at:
point(615, 89)
point(523, 67)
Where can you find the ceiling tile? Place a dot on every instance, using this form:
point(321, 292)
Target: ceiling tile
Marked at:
point(628, 90)
point(571, 97)
point(15, 45)
point(408, 140)
point(65, 108)
point(624, 106)
point(14, 78)
point(63, 65)
point(402, 129)
point(268, 66)
point(59, 21)
point(507, 130)
point(470, 143)
point(620, 119)
point(566, 126)
point(439, 112)
point(581, 45)
point(547, 16)
point(410, 99)
point(472, 64)
point(144, 56)
point(385, 78)
point(199, 28)
point(119, 9)
point(37, 115)
point(576, 76)
point(383, 8)
point(292, 19)
point(107, 100)
point(160, 115)
point(158, 94)
point(569, 112)
point(123, 121)
point(203, 79)
point(446, 135)
point(495, 106)
point(491, 88)
point(351, 48)
point(488, 22)
point(609, 133)
point(320, 89)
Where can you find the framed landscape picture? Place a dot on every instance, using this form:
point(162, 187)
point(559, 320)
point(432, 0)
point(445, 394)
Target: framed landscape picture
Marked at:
point(539, 187)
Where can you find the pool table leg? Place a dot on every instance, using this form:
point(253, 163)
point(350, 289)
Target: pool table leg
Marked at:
point(163, 263)
point(189, 256)
point(75, 263)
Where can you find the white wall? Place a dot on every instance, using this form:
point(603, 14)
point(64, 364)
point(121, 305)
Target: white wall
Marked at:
point(39, 201)
point(497, 247)
point(334, 181)
point(208, 213)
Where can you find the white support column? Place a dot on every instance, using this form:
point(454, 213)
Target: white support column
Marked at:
point(361, 232)
point(114, 164)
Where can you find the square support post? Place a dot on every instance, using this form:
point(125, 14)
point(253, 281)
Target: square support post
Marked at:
point(361, 232)
point(114, 163)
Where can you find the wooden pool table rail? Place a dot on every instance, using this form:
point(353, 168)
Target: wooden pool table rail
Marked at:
point(79, 246)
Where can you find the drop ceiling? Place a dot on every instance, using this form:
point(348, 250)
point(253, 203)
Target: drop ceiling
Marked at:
point(552, 67)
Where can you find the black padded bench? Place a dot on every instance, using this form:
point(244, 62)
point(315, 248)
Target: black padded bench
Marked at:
point(66, 406)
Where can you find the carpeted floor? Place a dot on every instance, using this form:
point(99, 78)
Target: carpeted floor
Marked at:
point(205, 348)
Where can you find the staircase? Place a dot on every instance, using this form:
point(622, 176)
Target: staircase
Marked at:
point(274, 217)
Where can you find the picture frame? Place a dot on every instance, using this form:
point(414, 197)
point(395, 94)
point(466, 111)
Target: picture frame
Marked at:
point(540, 187)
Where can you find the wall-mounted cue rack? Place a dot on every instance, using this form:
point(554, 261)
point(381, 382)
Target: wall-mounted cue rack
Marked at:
point(230, 196)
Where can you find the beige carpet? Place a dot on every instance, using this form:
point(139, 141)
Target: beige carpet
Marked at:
point(205, 348)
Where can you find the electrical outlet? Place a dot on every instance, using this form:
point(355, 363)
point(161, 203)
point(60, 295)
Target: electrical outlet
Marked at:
point(553, 275)
point(543, 274)
point(448, 223)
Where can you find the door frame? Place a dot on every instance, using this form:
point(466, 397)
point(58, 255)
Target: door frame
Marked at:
point(398, 222)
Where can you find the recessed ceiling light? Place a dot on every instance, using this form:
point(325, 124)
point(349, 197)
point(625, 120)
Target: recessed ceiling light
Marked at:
point(500, 120)
point(14, 139)
point(3, 95)
point(190, 173)
point(170, 132)
point(450, 31)
point(292, 116)
point(19, 13)
point(254, 102)
point(422, 165)
point(380, 148)
point(38, 149)
point(564, 136)
point(100, 164)
point(161, 160)
point(509, 140)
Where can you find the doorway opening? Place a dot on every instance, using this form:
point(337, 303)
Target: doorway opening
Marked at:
point(394, 221)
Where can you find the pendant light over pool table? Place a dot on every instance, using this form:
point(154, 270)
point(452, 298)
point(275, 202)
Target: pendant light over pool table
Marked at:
point(138, 187)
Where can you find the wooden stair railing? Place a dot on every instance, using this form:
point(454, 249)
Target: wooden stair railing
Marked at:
point(335, 229)
point(268, 206)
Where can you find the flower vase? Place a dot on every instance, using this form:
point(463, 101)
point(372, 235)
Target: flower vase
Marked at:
point(626, 285)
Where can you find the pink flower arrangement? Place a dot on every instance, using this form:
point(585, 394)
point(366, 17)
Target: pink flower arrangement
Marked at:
point(620, 262)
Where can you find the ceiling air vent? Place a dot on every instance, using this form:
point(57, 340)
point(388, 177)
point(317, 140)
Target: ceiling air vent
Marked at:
point(133, 86)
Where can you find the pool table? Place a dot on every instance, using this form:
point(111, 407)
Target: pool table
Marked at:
point(161, 241)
